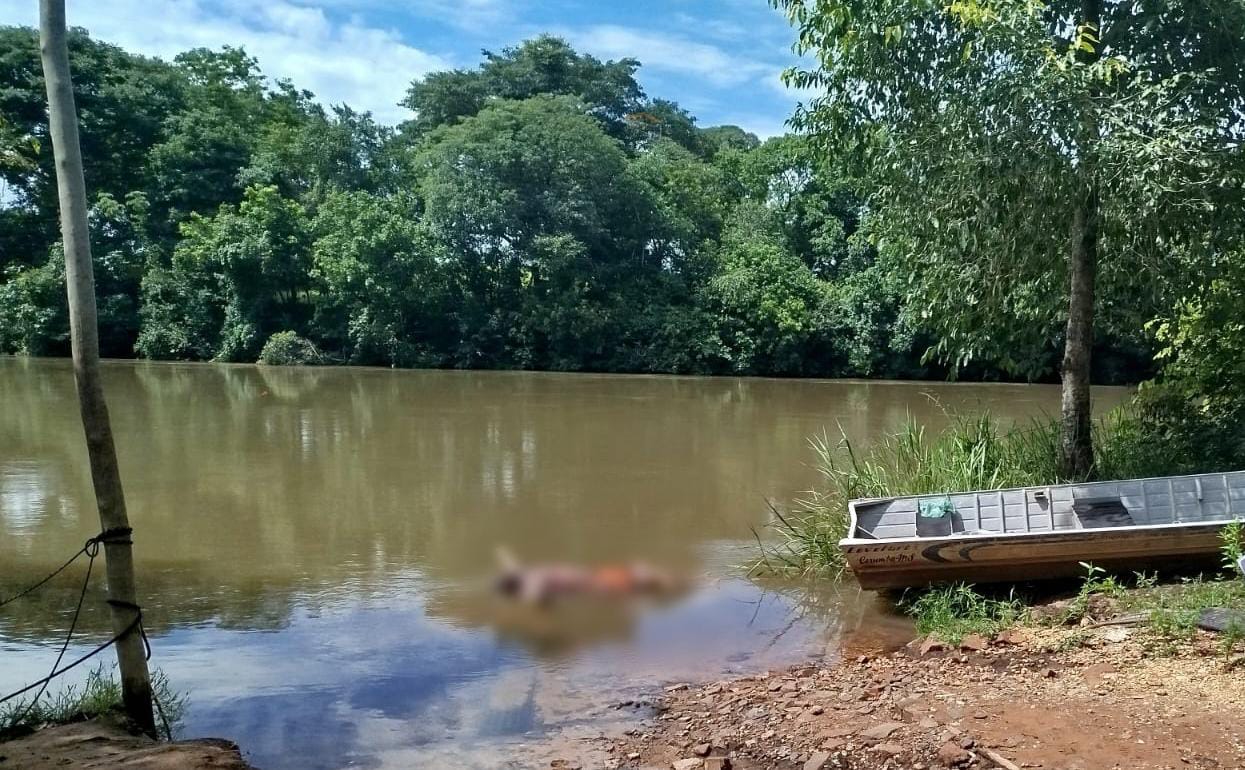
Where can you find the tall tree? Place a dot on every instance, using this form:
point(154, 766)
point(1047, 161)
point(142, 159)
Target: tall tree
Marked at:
point(80, 284)
point(542, 65)
point(1028, 163)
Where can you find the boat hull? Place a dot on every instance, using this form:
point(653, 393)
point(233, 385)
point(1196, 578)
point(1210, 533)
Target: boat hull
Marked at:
point(987, 558)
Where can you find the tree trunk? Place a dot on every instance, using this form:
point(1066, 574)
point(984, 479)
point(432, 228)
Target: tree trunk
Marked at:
point(84, 337)
point(1076, 440)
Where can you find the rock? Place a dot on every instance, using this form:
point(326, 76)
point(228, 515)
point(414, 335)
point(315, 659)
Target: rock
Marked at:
point(888, 749)
point(718, 763)
point(931, 644)
point(817, 761)
point(1010, 636)
point(691, 763)
point(1094, 673)
point(1219, 619)
point(973, 643)
point(1099, 606)
point(1055, 612)
point(1116, 634)
point(817, 711)
point(701, 749)
point(1049, 673)
point(951, 755)
point(677, 687)
point(880, 732)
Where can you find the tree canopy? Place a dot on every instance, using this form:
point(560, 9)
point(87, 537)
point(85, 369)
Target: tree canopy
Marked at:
point(1043, 172)
point(539, 211)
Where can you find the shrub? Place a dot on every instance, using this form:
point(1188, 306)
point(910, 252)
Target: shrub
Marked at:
point(288, 349)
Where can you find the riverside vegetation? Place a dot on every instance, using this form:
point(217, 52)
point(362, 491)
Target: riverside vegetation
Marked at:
point(99, 696)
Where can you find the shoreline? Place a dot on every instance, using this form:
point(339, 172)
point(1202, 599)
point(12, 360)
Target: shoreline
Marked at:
point(103, 742)
point(1099, 695)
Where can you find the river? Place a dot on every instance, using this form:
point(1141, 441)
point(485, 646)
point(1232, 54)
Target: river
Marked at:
point(313, 545)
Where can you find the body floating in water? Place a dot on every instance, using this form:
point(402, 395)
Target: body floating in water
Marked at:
point(545, 583)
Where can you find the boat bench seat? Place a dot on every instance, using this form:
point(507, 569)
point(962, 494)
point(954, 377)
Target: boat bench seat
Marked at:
point(1102, 512)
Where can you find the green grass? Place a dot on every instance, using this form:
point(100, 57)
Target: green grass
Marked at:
point(1174, 609)
point(98, 696)
point(1233, 544)
point(950, 613)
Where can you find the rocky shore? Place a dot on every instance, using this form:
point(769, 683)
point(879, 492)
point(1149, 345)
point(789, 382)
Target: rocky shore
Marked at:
point(1099, 696)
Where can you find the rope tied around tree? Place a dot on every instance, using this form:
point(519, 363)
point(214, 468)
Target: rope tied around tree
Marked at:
point(115, 535)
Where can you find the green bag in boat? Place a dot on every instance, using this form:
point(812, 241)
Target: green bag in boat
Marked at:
point(935, 517)
point(935, 508)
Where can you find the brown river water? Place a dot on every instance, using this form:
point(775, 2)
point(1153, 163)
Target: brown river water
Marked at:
point(313, 545)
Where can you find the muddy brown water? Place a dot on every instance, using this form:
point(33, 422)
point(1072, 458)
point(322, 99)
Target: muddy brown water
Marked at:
point(313, 544)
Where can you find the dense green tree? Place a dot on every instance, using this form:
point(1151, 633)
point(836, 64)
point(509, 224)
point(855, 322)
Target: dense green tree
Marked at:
point(236, 277)
point(538, 211)
point(123, 101)
point(543, 65)
point(1204, 339)
point(382, 290)
point(195, 168)
point(719, 138)
point(693, 200)
point(499, 185)
point(34, 316)
point(771, 303)
point(316, 151)
point(1029, 162)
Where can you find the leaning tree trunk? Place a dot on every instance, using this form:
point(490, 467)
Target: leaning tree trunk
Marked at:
point(84, 338)
point(1076, 440)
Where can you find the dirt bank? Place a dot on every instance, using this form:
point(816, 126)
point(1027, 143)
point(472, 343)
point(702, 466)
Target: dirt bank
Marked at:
point(1096, 698)
point(99, 744)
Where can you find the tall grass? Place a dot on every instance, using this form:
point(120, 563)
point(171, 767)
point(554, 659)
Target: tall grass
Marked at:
point(972, 453)
point(99, 695)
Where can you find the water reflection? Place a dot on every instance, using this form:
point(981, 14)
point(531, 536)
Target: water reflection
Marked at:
point(311, 543)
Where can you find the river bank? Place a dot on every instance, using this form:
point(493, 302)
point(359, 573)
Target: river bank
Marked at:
point(1102, 693)
point(100, 743)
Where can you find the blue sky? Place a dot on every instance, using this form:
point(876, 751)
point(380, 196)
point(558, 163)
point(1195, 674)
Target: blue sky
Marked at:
point(720, 59)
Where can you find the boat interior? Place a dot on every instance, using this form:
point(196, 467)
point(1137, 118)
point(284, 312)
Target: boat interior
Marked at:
point(1201, 499)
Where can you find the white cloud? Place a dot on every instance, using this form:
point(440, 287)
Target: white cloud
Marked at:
point(665, 52)
point(347, 60)
point(467, 14)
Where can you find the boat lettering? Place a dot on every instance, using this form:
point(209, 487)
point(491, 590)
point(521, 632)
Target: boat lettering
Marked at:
point(888, 558)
